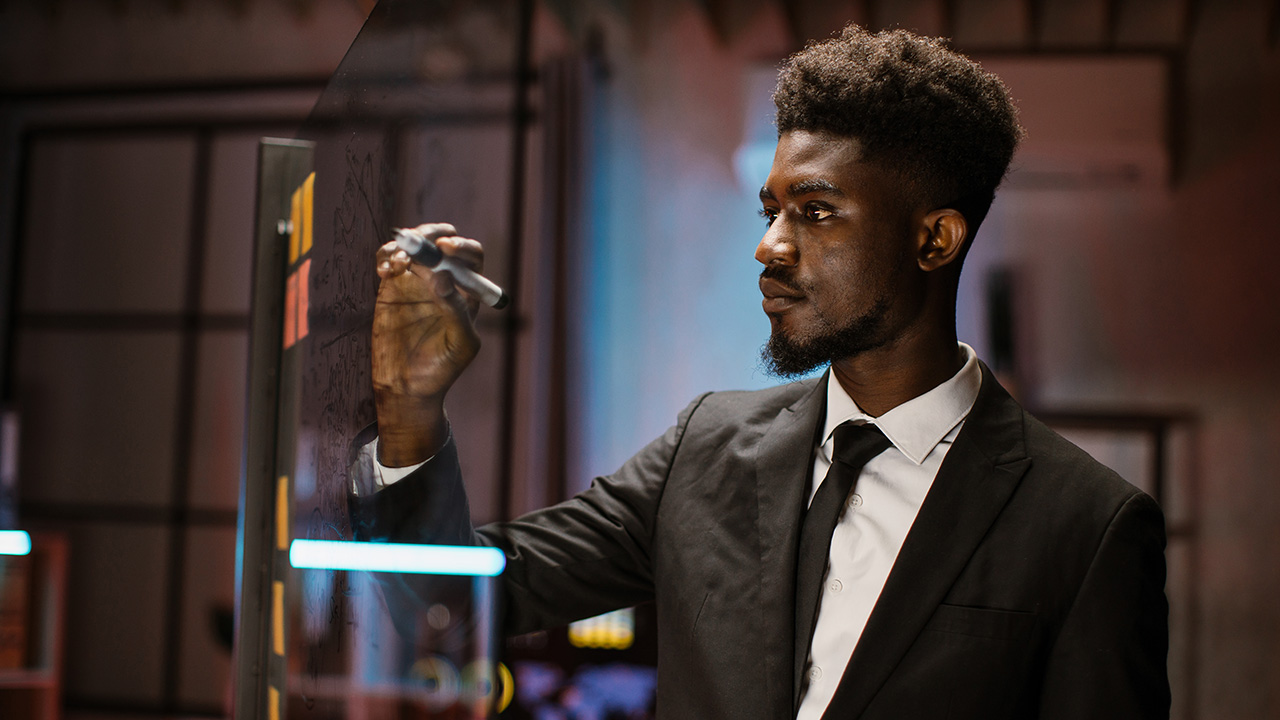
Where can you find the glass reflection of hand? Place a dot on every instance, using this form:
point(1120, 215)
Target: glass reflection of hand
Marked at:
point(423, 338)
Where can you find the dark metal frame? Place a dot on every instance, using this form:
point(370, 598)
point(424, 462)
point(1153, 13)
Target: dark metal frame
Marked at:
point(282, 166)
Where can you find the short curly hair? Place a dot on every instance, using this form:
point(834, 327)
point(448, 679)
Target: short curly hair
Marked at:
point(946, 124)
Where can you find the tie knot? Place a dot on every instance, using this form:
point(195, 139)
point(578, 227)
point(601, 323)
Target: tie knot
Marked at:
point(855, 445)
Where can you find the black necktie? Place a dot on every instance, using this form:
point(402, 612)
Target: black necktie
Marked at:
point(854, 446)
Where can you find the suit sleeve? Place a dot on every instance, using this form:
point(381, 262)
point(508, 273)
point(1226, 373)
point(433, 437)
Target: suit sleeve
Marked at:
point(587, 555)
point(1110, 658)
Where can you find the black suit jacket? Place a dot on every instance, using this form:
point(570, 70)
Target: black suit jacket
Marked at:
point(1031, 584)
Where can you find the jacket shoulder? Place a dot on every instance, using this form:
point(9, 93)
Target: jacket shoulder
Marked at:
point(1052, 452)
point(751, 407)
point(1062, 481)
point(1082, 491)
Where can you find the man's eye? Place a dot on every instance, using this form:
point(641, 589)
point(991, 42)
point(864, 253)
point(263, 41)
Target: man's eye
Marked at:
point(817, 213)
point(769, 215)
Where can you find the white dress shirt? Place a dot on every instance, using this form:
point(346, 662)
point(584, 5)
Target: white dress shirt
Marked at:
point(877, 516)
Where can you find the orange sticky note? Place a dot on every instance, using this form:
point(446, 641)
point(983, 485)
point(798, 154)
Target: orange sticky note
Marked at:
point(291, 311)
point(304, 304)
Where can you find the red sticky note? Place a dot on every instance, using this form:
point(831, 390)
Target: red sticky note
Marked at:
point(291, 311)
point(304, 282)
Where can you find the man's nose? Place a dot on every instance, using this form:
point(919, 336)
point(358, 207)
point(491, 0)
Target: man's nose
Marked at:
point(776, 247)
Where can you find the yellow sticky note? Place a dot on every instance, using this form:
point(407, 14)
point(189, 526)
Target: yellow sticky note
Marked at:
point(273, 703)
point(282, 513)
point(295, 226)
point(308, 211)
point(277, 617)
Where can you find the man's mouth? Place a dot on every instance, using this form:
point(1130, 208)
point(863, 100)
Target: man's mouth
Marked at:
point(778, 296)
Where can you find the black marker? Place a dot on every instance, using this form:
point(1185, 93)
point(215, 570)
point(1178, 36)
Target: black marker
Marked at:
point(423, 251)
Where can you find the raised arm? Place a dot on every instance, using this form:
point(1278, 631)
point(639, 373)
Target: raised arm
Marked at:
point(423, 338)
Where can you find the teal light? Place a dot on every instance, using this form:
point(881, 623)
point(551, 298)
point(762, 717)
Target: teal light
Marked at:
point(14, 542)
point(396, 557)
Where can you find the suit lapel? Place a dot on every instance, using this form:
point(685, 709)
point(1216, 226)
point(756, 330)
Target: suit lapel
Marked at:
point(783, 462)
point(980, 472)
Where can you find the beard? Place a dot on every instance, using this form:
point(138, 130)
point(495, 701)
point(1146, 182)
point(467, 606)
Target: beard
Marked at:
point(826, 340)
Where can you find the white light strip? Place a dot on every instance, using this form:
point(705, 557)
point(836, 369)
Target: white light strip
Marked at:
point(396, 557)
point(14, 542)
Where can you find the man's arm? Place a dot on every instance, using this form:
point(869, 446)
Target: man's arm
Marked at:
point(1110, 658)
point(585, 556)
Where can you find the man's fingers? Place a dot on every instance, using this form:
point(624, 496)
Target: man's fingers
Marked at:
point(391, 261)
point(434, 231)
point(467, 251)
point(457, 300)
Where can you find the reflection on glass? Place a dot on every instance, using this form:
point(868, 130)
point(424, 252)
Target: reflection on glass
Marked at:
point(375, 646)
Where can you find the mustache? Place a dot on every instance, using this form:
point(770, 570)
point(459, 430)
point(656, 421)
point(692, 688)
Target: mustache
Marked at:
point(782, 274)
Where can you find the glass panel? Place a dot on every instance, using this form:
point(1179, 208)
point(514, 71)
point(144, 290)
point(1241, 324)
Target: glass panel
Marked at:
point(107, 224)
point(99, 413)
point(461, 173)
point(390, 646)
point(415, 126)
point(476, 417)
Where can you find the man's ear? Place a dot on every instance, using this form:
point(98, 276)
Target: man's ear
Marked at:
point(943, 237)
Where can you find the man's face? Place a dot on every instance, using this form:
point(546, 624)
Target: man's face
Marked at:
point(840, 275)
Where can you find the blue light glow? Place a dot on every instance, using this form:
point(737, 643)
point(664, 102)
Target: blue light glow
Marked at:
point(14, 542)
point(396, 557)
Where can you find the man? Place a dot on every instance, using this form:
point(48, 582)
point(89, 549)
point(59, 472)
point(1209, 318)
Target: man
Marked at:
point(981, 566)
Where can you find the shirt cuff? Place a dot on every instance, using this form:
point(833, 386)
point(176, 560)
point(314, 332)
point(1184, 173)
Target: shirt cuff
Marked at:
point(389, 475)
point(377, 476)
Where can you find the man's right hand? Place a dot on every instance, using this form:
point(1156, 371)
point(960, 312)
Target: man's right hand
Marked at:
point(423, 338)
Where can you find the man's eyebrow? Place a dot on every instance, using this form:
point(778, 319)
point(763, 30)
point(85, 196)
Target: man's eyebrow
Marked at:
point(804, 187)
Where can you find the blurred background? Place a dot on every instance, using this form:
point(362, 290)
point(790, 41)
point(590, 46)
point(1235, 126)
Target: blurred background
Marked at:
point(1121, 285)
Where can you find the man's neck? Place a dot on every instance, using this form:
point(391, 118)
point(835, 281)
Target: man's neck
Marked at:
point(880, 380)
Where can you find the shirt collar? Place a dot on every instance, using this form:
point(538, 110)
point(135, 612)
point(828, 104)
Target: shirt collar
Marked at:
point(916, 426)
